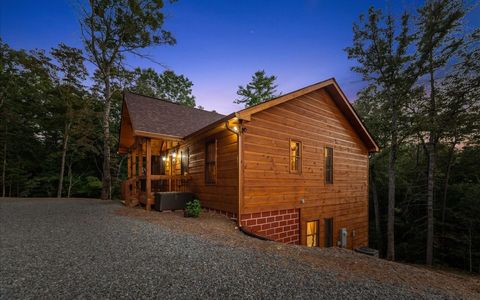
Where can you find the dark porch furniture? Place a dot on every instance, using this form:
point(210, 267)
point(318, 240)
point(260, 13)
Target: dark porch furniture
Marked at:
point(172, 200)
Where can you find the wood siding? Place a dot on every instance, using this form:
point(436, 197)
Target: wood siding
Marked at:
point(223, 195)
point(316, 122)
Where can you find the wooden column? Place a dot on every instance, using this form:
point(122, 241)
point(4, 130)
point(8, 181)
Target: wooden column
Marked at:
point(129, 165)
point(134, 169)
point(148, 185)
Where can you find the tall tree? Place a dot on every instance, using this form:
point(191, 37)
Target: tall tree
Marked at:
point(71, 72)
point(385, 62)
point(438, 41)
point(168, 86)
point(261, 88)
point(110, 30)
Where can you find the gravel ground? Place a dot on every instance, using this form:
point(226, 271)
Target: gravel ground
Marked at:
point(84, 248)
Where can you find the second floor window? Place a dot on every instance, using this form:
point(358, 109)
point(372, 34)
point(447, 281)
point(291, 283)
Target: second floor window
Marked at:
point(295, 156)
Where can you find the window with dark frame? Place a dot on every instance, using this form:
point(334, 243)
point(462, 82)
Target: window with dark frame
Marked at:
point(295, 156)
point(328, 165)
point(312, 234)
point(211, 162)
point(184, 161)
point(329, 232)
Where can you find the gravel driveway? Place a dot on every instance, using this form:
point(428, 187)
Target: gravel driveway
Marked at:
point(81, 248)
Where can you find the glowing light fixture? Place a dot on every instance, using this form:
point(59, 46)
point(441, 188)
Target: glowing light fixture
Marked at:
point(235, 128)
point(174, 154)
point(164, 158)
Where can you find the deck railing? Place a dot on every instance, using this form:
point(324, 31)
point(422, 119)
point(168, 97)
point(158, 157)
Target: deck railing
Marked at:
point(160, 183)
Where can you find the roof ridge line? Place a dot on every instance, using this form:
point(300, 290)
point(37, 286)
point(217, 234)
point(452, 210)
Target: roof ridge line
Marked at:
point(171, 102)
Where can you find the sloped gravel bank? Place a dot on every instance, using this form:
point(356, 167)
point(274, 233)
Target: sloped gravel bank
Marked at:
point(84, 248)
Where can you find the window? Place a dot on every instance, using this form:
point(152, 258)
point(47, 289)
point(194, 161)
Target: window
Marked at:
point(211, 162)
point(329, 232)
point(295, 157)
point(328, 165)
point(184, 161)
point(312, 234)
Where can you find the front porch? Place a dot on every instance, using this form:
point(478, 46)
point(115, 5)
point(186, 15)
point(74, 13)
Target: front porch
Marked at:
point(154, 165)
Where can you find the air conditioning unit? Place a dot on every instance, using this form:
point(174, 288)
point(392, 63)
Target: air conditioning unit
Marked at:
point(343, 237)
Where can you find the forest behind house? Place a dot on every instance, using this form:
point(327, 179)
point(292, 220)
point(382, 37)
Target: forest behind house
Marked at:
point(59, 122)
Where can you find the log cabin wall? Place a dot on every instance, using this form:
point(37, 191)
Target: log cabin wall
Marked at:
point(223, 195)
point(269, 186)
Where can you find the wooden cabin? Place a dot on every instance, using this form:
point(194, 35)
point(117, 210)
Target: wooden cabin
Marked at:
point(293, 169)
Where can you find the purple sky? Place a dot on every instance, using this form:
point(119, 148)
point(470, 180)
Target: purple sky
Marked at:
point(220, 44)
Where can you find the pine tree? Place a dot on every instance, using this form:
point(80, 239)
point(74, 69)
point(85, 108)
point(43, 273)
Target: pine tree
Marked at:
point(260, 89)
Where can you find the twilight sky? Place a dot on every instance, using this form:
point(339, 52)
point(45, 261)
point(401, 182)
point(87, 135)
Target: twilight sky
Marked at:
point(220, 44)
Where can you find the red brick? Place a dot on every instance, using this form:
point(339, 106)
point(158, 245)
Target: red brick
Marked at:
point(291, 211)
point(270, 231)
point(283, 211)
point(274, 237)
point(274, 213)
point(283, 223)
point(256, 215)
point(251, 222)
point(275, 224)
point(266, 226)
point(261, 221)
point(266, 214)
point(290, 222)
point(256, 228)
point(294, 226)
point(286, 217)
point(278, 218)
point(283, 234)
point(279, 229)
point(246, 216)
point(270, 219)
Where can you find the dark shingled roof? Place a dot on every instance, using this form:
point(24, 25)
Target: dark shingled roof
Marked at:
point(167, 118)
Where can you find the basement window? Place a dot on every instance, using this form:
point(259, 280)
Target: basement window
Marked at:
point(312, 234)
point(329, 232)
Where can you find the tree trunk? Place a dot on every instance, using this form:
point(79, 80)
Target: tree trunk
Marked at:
point(431, 147)
point(4, 166)
point(70, 180)
point(106, 178)
point(430, 188)
point(64, 155)
point(391, 187)
point(378, 230)
point(445, 185)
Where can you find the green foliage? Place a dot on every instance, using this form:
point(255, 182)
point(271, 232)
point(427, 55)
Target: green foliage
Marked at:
point(168, 86)
point(260, 89)
point(193, 208)
point(422, 104)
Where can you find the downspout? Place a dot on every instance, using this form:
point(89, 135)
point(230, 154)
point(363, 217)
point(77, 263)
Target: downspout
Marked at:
point(238, 130)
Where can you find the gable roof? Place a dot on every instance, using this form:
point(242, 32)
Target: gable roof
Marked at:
point(157, 118)
point(153, 117)
point(333, 89)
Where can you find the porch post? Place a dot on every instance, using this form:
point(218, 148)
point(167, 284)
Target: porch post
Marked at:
point(129, 165)
point(134, 169)
point(148, 185)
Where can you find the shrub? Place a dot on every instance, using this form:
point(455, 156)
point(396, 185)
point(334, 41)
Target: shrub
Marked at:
point(193, 208)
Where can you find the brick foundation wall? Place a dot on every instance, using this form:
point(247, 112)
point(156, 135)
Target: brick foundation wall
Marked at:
point(221, 212)
point(279, 225)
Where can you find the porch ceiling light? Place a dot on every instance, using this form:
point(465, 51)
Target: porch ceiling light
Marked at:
point(164, 158)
